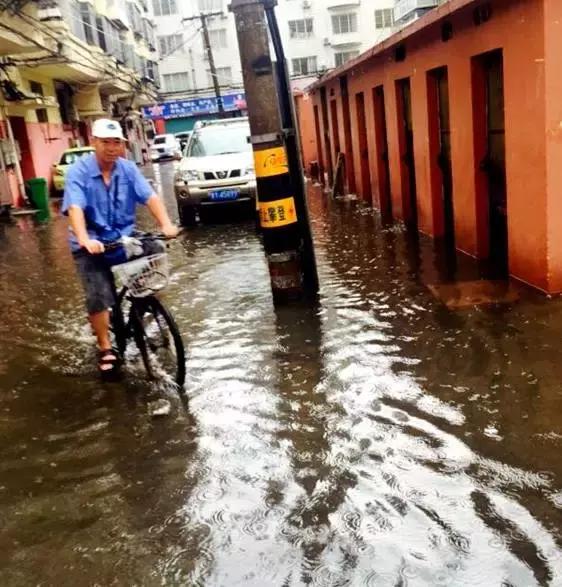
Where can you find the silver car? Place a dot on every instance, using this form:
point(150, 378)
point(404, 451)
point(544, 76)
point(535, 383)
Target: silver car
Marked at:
point(217, 169)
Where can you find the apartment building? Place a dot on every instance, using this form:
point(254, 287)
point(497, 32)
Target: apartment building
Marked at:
point(407, 11)
point(318, 35)
point(64, 63)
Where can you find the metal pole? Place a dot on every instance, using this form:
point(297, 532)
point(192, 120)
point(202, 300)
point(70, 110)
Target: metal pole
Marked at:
point(278, 207)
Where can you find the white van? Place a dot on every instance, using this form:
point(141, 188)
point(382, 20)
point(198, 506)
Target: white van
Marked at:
point(165, 147)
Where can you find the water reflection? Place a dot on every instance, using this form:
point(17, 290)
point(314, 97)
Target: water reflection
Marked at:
point(374, 439)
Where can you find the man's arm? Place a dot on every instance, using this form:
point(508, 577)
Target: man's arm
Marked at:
point(158, 210)
point(78, 223)
point(73, 206)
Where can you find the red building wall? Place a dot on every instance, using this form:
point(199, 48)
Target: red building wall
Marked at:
point(533, 117)
point(305, 117)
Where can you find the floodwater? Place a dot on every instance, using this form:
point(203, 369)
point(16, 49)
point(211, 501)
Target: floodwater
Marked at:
point(377, 439)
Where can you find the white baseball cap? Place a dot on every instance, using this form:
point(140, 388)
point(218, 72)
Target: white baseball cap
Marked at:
point(104, 128)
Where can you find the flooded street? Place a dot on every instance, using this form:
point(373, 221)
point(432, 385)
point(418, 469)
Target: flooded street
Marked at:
point(378, 439)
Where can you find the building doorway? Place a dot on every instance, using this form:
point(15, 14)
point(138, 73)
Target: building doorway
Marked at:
point(327, 141)
point(440, 137)
point(335, 127)
point(318, 145)
point(363, 147)
point(407, 160)
point(19, 131)
point(383, 166)
point(489, 137)
point(349, 164)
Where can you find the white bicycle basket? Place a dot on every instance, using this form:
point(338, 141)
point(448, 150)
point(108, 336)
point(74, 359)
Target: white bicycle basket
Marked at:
point(144, 276)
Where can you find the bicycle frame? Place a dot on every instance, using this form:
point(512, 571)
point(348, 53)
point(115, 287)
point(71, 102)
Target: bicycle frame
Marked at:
point(132, 326)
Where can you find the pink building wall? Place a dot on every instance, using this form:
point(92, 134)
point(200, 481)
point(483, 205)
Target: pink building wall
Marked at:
point(47, 142)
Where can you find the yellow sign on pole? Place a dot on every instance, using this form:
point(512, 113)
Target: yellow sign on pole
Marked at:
point(278, 213)
point(271, 162)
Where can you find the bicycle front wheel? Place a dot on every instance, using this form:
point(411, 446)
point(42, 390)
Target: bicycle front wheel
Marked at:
point(164, 353)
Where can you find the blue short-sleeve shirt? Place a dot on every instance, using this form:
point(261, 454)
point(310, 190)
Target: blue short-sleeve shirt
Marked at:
point(109, 210)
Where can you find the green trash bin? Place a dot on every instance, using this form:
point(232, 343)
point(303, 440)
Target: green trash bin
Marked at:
point(38, 193)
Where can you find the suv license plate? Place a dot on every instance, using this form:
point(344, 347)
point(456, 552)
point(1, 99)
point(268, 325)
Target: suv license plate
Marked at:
point(218, 195)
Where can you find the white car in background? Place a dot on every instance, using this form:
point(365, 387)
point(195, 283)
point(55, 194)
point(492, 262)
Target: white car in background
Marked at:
point(165, 146)
point(217, 170)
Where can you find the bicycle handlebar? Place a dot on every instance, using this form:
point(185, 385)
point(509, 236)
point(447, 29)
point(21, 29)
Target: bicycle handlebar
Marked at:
point(144, 236)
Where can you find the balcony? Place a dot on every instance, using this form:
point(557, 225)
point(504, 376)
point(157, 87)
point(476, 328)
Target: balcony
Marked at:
point(341, 3)
point(11, 43)
point(406, 9)
point(345, 39)
point(148, 33)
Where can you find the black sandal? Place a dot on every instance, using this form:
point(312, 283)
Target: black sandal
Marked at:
point(108, 357)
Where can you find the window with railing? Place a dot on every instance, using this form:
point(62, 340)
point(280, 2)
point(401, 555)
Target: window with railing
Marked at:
point(36, 88)
point(135, 18)
point(156, 70)
point(149, 36)
point(88, 19)
point(70, 10)
point(304, 65)
point(128, 52)
point(344, 23)
point(117, 43)
point(224, 76)
point(384, 18)
point(344, 57)
point(217, 39)
point(101, 26)
point(169, 44)
point(150, 71)
point(209, 5)
point(176, 82)
point(164, 7)
point(301, 29)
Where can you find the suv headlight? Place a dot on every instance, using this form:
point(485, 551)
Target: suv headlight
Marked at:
point(190, 175)
point(250, 171)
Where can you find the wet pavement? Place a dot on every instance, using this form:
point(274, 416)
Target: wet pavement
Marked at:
point(379, 439)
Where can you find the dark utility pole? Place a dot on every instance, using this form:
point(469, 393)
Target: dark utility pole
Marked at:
point(282, 205)
point(209, 51)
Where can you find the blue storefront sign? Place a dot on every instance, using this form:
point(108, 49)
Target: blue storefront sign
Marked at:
point(186, 108)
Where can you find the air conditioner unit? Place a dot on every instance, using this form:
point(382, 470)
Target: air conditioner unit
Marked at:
point(327, 42)
point(306, 4)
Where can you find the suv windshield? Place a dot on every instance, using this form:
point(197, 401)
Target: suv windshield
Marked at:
point(220, 141)
point(160, 140)
point(70, 158)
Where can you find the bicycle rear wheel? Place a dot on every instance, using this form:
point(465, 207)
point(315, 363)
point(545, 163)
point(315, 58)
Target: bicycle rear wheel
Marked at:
point(161, 346)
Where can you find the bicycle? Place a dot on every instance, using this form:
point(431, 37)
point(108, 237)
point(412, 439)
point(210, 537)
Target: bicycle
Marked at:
point(148, 323)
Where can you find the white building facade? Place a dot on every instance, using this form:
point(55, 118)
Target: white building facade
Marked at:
point(318, 35)
point(407, 11)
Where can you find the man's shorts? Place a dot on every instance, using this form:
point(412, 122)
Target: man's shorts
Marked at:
point(97, 277)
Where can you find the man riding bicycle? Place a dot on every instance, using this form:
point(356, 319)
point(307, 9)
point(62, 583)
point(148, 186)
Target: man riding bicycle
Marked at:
point(101, 193)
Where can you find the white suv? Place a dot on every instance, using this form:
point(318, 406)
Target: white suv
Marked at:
point(217, 168)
